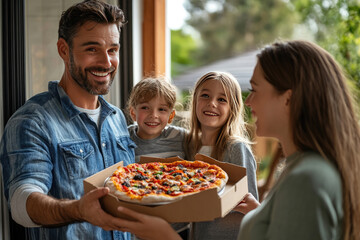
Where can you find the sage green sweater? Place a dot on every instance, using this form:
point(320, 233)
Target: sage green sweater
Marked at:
point(306, 203)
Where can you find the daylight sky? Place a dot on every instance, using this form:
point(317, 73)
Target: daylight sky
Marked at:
point(176, 14)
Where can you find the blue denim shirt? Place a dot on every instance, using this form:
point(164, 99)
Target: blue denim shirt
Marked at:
point(50, 144)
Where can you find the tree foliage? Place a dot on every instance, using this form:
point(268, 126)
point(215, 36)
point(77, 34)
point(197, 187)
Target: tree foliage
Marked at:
point(336, 26)
point(349, 45)
point(321, 16)
point(230, 27)
point(183, 49)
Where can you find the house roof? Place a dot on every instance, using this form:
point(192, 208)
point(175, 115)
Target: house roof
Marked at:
point(240, 66)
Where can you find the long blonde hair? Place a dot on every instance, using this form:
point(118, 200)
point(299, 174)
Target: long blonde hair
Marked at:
point(322, 113)
point(234, 127)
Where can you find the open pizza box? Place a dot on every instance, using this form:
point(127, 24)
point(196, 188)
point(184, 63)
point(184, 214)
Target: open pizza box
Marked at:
point(203, 206)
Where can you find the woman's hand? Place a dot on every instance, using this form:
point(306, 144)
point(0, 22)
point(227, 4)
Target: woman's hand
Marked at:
point(146, 227)
point(247, 204)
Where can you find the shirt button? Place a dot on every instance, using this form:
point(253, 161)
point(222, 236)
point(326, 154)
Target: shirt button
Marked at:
point(81, 151)
point(103, 144)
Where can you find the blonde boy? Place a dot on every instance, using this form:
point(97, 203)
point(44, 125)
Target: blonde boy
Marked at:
point(151, 106)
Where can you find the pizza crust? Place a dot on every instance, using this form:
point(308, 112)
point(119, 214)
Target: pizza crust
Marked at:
point(223, 182)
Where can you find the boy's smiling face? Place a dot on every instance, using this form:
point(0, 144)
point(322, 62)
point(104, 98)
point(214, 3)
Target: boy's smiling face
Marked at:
point(152, 117)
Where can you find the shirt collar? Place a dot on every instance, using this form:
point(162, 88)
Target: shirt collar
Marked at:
point(69, 107)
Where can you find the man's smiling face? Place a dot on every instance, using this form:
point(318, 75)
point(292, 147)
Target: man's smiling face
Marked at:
point(94, 57)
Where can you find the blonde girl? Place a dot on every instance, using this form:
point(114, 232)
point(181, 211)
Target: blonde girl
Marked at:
point(217, 129)
point(233, 129)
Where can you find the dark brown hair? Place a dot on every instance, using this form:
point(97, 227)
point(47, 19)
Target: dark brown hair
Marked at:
point(322, 114)
point(88, 10)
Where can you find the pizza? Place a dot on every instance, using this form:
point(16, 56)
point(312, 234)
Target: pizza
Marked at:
point(158, 182)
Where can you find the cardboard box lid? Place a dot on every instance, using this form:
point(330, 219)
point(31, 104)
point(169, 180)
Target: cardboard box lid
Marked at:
point(203, 206)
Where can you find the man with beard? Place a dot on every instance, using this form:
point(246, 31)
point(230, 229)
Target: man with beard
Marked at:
point(68, 133)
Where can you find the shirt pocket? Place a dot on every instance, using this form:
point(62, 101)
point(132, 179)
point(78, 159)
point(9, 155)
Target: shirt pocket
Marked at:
point(79, 157)
point(126, 150)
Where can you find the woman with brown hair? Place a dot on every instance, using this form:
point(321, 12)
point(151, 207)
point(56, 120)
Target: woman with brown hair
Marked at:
point(299, 95)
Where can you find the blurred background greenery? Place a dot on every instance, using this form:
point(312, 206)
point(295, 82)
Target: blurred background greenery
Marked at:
point(225, 28)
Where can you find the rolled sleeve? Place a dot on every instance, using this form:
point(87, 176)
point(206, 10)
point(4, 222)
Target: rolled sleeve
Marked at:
point(18, 204)
point(26, 160)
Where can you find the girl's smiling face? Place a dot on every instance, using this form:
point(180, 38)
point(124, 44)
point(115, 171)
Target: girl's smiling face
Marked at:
point(212, 106)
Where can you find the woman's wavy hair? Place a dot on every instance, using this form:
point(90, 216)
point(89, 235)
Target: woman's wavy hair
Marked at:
point(322, 113)
point(235, 126)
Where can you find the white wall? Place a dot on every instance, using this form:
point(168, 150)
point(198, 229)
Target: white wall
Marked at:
point(137, 20)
